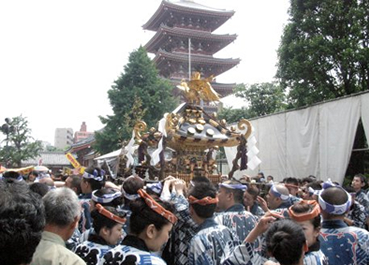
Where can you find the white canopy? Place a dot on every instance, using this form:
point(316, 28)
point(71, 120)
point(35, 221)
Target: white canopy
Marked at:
point(317, 140)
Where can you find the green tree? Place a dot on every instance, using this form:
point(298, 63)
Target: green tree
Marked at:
point(106, 141)
point(324, 50)
point(18, 144)
point(263, 98)
point(233, 115)
point(139, 85)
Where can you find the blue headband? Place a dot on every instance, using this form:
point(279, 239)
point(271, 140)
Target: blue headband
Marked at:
point(334, 209)
point(314, 192)
point(94, 175)
point(130, 197)
point(155, 187)
point(233, 186)
point(105, 198)
point(276, 193)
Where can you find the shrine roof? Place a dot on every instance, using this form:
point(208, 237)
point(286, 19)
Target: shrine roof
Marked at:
point(48, 159)
point(165, 31)
point(185, 6)
point(83, 144)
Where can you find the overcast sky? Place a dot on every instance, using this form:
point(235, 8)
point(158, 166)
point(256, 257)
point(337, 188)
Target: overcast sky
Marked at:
point(58, 59)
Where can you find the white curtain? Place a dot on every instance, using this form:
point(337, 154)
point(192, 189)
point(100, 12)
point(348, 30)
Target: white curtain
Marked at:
point(272, 137)
point(302, 146)
point(314, 141)
point(365, 114)
point(338, 123)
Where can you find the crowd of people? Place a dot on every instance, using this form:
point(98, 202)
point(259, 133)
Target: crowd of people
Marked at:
point(88, 219)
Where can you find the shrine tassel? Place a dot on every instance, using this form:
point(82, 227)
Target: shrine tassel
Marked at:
point(243, 165)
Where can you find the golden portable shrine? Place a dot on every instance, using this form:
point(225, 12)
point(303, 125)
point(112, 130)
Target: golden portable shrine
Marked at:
point(184, 143)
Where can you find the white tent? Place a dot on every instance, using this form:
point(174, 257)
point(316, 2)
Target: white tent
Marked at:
point(317, 140)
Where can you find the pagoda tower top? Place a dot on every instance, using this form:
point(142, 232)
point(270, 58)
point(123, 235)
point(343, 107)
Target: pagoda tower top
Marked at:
point(207, 18)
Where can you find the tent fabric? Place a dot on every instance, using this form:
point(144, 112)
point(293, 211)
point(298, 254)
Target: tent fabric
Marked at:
point(365, 114)
point(317, 140)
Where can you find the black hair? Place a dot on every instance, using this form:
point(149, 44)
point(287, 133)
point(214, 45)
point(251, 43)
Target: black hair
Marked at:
point(11, 175)
point(142, 216)
point(76, 183)
point(307, 180)
point(200, 179)
point(284, 241)
point(305, 208)
point(361, 176)
point(315, 185)
point(22, 219)
point(100, 221)
point(253, 191)
point(200, 191)
point(39, 188)
point(131, 185)
point(291, 180)
point(95, 185)
point(114, 203)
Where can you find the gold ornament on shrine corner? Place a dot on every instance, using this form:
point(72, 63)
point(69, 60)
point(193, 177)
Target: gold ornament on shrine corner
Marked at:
point(199, 89)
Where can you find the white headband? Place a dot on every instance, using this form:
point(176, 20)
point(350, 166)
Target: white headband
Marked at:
point(105, 198)
point(276, 193)
point(130, 197)
point(94, 176)
point(334, 209)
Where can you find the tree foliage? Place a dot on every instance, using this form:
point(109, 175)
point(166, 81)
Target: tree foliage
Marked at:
point(139, 93)
point(324, 50)
point(18, 144)
point(263, 98)
point(233, 115)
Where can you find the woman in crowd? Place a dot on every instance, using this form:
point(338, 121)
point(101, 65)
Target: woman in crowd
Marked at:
point(129, 190)
point(150, 225)
point(304, 213)
point(108, 231)
point(31, 177)
point(105, 197)
point(285, 241)
point(307, 215)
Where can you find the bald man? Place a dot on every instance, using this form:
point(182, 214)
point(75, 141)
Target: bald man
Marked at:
point(278, 197)
point(342, 244)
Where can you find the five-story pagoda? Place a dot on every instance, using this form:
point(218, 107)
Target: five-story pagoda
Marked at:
point(182, 24)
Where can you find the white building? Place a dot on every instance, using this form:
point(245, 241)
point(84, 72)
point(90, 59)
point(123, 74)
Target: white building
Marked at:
point(63, 137)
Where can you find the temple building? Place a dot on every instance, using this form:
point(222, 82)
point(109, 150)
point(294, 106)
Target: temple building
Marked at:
point(184, 42)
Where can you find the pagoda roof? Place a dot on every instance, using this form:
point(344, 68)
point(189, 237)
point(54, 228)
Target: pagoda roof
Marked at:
point(219, 65)
point(189, 7)
point(216, 41)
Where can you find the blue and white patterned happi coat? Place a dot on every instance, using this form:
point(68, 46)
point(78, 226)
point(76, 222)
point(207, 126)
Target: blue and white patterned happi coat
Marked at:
point(344, 244)
point(91, 252)
point(238, 220)
point(249, 254)
point(212, 244)
point(130, 255)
